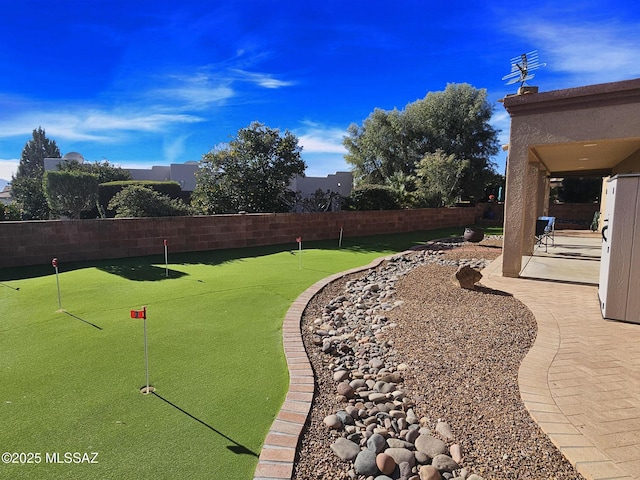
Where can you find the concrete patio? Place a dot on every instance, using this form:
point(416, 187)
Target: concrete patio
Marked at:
point(581, 379)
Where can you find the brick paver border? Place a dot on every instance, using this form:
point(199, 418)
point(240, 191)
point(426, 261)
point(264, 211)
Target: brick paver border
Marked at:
point(278, 453)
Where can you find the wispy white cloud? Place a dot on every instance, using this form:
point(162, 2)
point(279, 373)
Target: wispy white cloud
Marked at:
point(142, 101)
point(174, 149)
point(192, 92)
point(265, 80)
point(135, 121)
point(609, 51)
point(501, 121)
point(96, 125)
point(318, 138)
point(62, 124)
point(592, 52)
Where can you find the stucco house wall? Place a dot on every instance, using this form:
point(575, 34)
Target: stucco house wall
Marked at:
point(601, 113)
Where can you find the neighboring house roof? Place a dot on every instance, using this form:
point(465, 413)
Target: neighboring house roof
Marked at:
point(5, 195)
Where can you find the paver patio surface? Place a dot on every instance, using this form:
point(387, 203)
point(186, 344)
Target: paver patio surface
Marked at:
point(581, 379)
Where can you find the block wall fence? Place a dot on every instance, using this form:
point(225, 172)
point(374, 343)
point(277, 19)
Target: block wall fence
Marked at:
point(568, 215)
point(37, 242)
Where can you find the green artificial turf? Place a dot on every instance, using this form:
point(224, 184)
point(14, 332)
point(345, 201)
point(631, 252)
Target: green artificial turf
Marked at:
point(70, 380)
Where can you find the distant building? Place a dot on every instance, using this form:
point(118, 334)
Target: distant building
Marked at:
point(5, 195)
point(185, 174)
point(182, 173)
point(52, 163)
point(339, 182)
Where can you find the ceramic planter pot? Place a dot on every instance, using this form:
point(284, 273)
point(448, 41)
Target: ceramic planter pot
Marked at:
point(474, 235)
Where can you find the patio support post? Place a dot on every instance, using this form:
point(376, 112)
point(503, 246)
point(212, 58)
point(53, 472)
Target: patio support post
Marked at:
point(543, 192)
point(517, 167)
point(532, 188)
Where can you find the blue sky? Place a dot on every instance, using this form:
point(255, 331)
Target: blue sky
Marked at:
point(150, 83)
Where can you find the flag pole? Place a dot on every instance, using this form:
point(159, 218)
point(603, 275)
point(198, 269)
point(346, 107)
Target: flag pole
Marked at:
point(299, 239)
point(146, 353)
point(54, 262)
point(143, 314)
point(166, 259)
point(340, 241)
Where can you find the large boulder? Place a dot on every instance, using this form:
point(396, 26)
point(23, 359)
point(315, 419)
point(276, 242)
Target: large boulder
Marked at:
point(467, 277)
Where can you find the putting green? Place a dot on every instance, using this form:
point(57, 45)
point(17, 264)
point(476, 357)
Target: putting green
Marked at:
point(70, 380)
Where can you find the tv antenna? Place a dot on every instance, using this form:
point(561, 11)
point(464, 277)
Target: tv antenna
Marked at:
point(522, 66)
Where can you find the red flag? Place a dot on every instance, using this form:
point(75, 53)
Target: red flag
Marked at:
point(139, 313)
point(299, 239)
point(165, 243)
point(54, 262)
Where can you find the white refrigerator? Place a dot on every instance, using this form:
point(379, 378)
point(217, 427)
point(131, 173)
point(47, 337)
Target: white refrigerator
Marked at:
point(619, 285)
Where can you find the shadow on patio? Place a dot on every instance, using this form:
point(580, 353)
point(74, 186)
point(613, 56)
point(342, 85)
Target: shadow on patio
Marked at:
point(573, 256)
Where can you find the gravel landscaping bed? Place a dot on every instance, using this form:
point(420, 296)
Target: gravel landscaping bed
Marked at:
point(441, 364)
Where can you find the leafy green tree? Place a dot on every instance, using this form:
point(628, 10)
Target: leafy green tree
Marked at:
point(439, 178)
point(454, 121)
point(70, 192)
point(322, 201)
point(9, 212)
point(381, 147)
point(105, 171)
point(26, 184)
point(404, 187)
point(373, 197)
point(107, 190)
point(251, 173)
point(492, 186)
point(140, 201)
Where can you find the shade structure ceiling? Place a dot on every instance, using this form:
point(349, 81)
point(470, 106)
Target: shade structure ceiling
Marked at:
point(596, 157)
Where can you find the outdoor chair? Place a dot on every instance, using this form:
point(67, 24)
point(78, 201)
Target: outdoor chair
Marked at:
point(545, 231)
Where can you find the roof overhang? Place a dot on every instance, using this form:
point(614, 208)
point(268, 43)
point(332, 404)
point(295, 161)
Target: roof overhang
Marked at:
point(595, 156)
